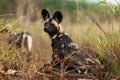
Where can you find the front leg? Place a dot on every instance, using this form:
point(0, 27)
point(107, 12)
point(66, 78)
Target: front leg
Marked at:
point(55, 63)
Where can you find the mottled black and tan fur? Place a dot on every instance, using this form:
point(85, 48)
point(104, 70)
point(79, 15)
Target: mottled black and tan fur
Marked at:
point(65, 51)
point(20, 39)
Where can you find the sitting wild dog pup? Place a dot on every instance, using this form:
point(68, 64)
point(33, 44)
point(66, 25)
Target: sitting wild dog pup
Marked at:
point(65, 51)
point(19, 39)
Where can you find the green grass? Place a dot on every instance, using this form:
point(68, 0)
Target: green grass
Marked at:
point(108, 49)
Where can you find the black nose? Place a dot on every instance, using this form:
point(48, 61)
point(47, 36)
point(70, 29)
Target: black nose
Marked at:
point(45, 29)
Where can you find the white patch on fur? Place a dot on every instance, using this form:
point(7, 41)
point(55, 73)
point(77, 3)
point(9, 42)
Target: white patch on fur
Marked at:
point(54, 36)
point(73, 46)
point(62, 45)
point(12, 72)
point(65, 33)
point(29, 41)
point(86, 71)
point(79, 71)
point(47, 20)
point(60, 35)
point(23, 37)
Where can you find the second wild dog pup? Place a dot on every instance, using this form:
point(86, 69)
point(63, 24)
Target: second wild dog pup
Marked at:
point(65, 51)
point(19, 39)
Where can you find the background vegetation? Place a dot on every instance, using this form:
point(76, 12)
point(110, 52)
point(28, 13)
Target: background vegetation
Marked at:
point(94, 26)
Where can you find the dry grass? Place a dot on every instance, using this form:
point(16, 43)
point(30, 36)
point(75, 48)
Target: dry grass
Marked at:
point(85, 33)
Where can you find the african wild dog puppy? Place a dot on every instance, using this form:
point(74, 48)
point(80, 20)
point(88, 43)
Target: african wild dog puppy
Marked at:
point(21, 38)
point(64, 49)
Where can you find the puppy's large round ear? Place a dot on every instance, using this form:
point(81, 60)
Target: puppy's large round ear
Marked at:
point(58, 16)
point(45, 14)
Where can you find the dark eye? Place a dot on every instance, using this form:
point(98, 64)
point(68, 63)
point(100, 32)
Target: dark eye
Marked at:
point(45, 24)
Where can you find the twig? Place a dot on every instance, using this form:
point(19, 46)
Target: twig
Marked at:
point(94, 21)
